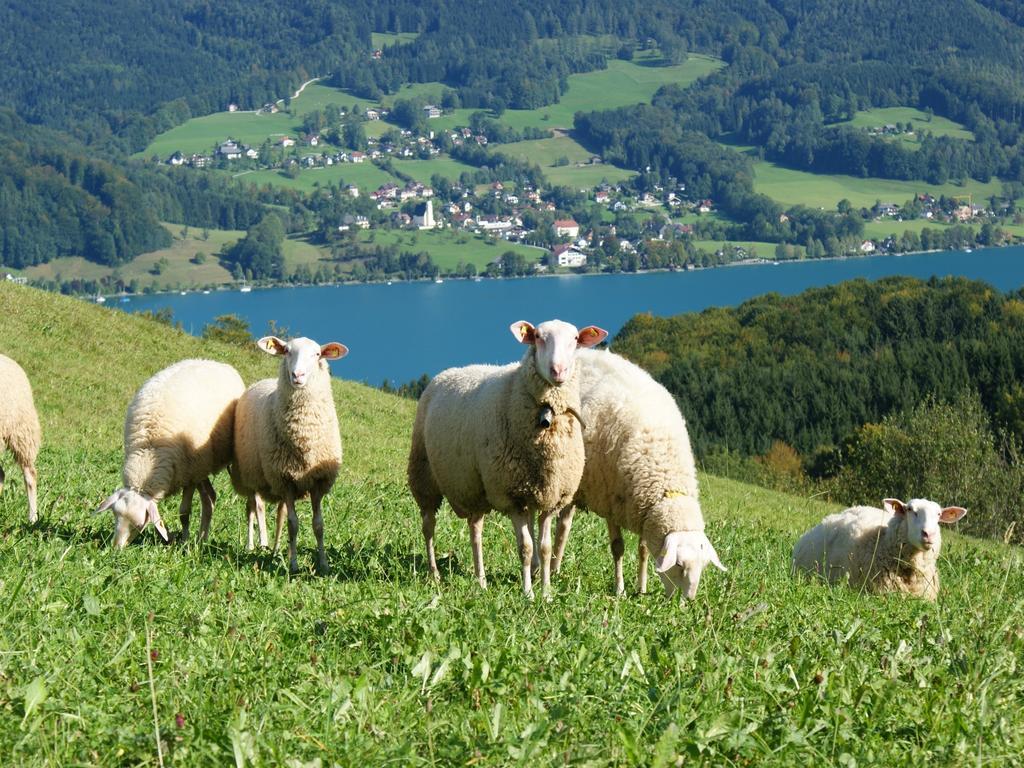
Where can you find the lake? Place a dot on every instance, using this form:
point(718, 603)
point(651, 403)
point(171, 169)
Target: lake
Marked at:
point(400, 331)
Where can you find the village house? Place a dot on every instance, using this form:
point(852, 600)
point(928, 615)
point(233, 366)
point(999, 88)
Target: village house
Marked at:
point(431, 111)
point(229, 150)
point(199, 161)
point(566, 228)
point(353, 190)
point(568, 255)
point(286, 141)
point(176, 159)
point(232, 107)
point(867, 247)
point(358, 157)
point(372, 114)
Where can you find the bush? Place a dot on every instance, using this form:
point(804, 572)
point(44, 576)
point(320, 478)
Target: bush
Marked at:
point(942, 451)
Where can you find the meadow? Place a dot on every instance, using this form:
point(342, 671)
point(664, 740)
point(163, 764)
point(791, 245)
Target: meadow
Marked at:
point(211, 655)
point(921, 122)
point(447, 248)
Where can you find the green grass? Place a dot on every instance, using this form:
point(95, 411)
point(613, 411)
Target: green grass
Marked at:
point(885, 227)
point(384, 39)
point(937, 125)
point(792, 187)
point(621, 84)
point(422, 170)
point(377, 665)
point(448, 247)
point(365, 175)
point(755, 248)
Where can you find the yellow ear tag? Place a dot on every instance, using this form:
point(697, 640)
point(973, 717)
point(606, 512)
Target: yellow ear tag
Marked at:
point(674, 494)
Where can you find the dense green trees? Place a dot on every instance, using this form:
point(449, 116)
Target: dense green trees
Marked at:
point(258, 255)
point(812, 368)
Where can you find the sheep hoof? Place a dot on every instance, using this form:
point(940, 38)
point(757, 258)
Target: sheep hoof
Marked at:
point(435, 574)
point(323, 569)
point(293, 567)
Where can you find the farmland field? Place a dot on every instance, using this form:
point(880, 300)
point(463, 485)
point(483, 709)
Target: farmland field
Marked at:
point(212, 655)
point(366, 176)
point(448, 247)
point(936, 125)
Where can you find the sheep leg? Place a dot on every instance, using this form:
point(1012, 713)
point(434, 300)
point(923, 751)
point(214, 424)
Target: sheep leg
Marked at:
point(641, 559)
point(535, 560)
point(29, 471)
point(185, 509)
point(282, 513)
point(2, 476)
point(293, 535)
point(545, 553)
point(254, 506)
point(618, 548)
point(429, 520)
point(207, 497)
point(261, 520)
point(562, 536)
point(322, 568)
point(476, 538)
point(521, 523)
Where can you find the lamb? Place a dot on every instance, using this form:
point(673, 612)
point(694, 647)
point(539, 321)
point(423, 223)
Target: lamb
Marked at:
point(177, 433)
point(640, 474)
point(287, 442)
point(893, 549)
point(19, 427)
point(506, 438)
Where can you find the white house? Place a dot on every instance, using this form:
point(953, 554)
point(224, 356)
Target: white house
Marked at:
point(571, 257)
point(567, 228)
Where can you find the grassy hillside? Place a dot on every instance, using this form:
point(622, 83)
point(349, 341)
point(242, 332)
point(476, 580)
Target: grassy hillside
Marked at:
point(375, 664)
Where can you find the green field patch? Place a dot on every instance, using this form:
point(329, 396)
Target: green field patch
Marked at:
point(793, 187)
point(621, 84)
point(423, 170)
point(385, 39)
point(921, 122)
point(755, 249)
point(882, 228)
point(448, 247)
point(550, 153)
point(366, 176)
point(587, 177)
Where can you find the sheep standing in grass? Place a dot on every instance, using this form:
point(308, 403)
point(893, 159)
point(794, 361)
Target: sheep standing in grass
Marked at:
point(177, 433)
point(894, 549)
point(504, 437)
point(19, 427)
point(287, 442)
point(640, 473)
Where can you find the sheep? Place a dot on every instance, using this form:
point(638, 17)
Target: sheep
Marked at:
point(177, 433)
point(640, 474)
point(506, 438)
point(19, 427)
point(893, 549)
point(287, 442)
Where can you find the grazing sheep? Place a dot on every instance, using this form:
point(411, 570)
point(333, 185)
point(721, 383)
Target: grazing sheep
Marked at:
point(19, 427)
point(505, 438)
point(640, 474)
point(178, 432)
point(894, 549)
point(287, 442)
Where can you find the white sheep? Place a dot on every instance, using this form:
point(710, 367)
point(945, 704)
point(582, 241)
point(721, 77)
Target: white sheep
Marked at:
point(177, 433)
point(19, 427)
point(505, 438)
point(640, 473)
point(287, 442)
point(893, 549)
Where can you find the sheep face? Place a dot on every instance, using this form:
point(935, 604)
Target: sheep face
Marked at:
point(555, 344)
point(132, 511)
point(682, 559)
point(302, 357)
point(922, 519)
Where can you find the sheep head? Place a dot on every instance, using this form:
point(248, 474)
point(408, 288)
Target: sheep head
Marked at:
point(682, 559)
point(132, 511)
point(555, 343)
point(302, 357)
point(922, 518)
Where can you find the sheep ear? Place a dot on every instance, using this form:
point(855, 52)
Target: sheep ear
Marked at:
point(894, 506)
point(109, 501)
point(524, 332)
point(153, 516)
point(667, 556)
point(273, 346)
point(950, 515)
point(333, 351)
point(591, 336)
point(713, 557)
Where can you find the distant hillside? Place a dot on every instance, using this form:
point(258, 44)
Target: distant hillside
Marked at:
point(810, 369)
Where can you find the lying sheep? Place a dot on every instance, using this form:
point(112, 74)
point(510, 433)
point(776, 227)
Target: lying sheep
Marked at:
point(177, 433)
point(287, 442)
point(19, 427)
point(640, 474)
point(893, 549)
point(505, 438)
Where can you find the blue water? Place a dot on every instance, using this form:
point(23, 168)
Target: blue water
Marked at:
point(400, 331)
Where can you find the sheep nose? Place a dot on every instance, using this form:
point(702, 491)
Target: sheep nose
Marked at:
point(298, 378)
point(558, 373)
